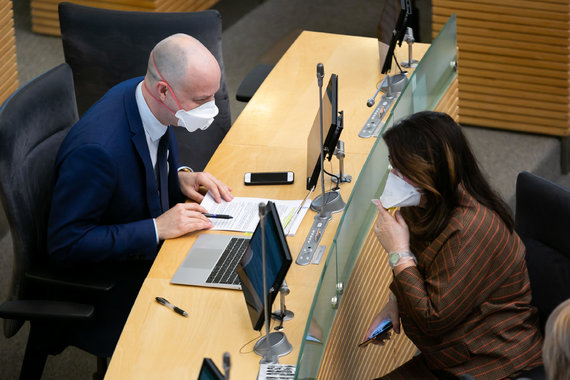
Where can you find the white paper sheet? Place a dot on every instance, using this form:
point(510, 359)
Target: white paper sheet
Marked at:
point(245, 212)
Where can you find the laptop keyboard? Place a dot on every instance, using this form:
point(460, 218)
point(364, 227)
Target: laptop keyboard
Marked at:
point(224, 271)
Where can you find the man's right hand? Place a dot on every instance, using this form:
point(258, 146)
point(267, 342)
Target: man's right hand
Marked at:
point(180, 220)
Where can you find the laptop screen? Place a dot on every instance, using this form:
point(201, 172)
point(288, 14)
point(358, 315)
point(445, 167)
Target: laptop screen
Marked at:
point(250, 269)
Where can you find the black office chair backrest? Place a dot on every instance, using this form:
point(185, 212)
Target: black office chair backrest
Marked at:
point(542, 220)
point(105, 47)
point(33, 123)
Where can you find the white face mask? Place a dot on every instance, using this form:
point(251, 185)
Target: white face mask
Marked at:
point(399, 193)
point(197, 118)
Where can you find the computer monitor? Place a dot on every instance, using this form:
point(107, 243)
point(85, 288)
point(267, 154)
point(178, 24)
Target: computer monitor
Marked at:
point(250, 269)
point(398, 33)
point(332, 126)
point(210, 371)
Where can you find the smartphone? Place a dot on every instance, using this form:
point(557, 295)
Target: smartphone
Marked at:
point(269, 178)
point(384, 326)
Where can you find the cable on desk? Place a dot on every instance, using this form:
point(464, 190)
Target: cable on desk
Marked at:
point(242, 347)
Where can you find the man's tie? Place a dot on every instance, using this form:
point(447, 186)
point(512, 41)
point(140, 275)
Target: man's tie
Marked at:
point(162, 171)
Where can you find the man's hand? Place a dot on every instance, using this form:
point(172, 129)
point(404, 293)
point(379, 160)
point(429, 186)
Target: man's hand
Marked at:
point(190, 184)
point(180, 220)
point(391, 231)
point(390, 311)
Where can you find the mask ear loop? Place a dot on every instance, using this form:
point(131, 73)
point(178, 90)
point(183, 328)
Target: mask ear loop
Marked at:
point(167, 85)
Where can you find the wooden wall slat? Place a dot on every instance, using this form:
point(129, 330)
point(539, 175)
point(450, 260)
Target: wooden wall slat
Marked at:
point(438, 21)
point(365, 295)
point(481, 72)
point(490, 65)
point(9, 67)
point(478, 9)
point(507, 125)
point(513, 62)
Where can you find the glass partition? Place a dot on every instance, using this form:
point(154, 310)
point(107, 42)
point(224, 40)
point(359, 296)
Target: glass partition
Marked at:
point(426, 86)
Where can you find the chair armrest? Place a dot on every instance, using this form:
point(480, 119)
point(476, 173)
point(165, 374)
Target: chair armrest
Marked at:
point(78, 281)
point(252, 81)
point(47, 310)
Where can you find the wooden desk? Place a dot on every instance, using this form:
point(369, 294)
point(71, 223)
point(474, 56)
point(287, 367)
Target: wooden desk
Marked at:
point(270, 134)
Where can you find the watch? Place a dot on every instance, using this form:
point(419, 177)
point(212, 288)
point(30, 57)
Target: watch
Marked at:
point(395, 257)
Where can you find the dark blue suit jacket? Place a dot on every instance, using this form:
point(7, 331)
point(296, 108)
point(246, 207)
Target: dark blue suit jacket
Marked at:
point(106, 193)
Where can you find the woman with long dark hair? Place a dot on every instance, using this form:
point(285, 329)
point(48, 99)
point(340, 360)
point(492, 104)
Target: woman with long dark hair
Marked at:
point(460, 287)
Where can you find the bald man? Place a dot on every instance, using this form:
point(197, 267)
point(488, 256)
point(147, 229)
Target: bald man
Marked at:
point(108, 213)
point(106, 203)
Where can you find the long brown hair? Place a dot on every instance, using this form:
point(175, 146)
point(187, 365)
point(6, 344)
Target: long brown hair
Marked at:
point(430, 149)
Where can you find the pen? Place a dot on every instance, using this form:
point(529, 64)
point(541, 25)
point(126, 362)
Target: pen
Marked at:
point(218, 216)
point(178, 310)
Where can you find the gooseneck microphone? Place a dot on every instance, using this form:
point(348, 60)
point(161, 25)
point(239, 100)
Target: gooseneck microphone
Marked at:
point(320, 74)
point(371, 101)
point(226, 365)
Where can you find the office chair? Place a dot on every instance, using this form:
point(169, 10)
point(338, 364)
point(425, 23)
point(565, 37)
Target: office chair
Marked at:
point(105, 47)
point(33, 123)
point(542, 220)
point(252, 81)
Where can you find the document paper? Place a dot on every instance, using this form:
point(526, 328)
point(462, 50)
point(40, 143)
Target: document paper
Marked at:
point(245, 212)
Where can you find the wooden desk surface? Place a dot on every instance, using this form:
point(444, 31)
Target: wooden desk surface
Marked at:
point(270, 134)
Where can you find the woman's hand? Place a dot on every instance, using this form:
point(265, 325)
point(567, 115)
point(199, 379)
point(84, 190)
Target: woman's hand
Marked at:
point(392, 232)
point(390, 311)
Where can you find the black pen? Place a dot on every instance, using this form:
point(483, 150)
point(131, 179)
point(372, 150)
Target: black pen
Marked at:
point(178, 310)
point(218, 216)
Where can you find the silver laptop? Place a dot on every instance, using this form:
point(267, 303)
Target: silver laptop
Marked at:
point(212, 262)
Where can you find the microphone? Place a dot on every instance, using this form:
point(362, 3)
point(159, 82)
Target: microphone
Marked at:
point(226, 365)
point(409, 37)
point(320, 73)
point(372, 100)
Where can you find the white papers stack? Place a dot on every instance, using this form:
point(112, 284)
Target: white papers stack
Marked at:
point(245, 212)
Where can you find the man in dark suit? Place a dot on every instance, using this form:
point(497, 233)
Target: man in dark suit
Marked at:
point(110, 209)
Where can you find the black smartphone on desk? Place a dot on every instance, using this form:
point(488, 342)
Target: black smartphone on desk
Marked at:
point(269, 178)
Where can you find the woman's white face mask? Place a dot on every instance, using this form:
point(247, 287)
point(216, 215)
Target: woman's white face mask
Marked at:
point(198, 118)
point(399, 193)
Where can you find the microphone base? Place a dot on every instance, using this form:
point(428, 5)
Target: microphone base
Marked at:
point(278, 345)
point(282, 316)
point(333, 202)
point(397, 84)
point(407, 64)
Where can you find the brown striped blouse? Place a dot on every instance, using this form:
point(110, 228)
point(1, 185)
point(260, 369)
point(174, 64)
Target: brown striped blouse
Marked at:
point(466, 305)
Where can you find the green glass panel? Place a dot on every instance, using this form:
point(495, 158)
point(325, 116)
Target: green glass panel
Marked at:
point(426, 86)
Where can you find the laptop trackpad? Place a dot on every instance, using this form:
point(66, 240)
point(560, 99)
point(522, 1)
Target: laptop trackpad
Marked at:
point(202, 258)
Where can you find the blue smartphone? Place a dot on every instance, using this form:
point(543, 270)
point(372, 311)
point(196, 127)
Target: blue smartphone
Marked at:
point(384, 326)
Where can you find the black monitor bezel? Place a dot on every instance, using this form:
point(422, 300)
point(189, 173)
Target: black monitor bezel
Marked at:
point(257, 314)
point(334, 131)
point(213, 370)
point(398, 33)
